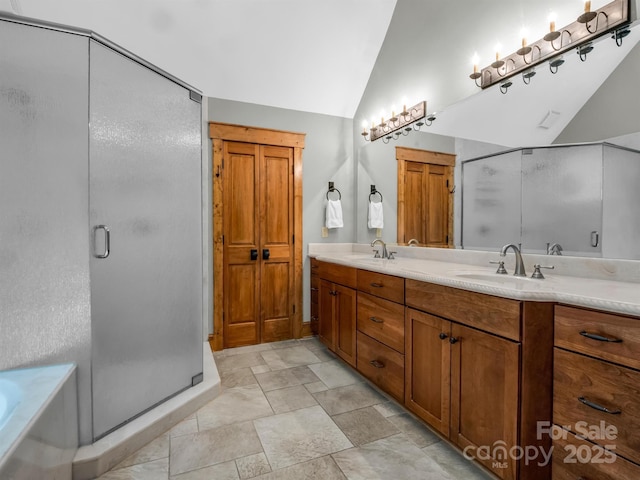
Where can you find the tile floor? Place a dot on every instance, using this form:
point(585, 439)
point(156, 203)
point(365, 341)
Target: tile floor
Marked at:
point(292, 410)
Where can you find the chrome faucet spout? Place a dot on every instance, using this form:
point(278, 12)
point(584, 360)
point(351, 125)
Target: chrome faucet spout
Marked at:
point(519, 271)
point(385, 254)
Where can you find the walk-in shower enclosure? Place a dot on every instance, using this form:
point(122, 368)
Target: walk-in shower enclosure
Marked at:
point(583, 197)
point(100, 220)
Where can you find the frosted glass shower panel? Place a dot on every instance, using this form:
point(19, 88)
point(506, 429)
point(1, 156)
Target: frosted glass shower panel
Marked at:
point(491, 201)
point(145, 187)
point(621, 204)
point(562, 199)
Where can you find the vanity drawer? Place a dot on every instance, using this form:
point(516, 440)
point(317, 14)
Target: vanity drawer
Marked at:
point(382, 365)
point(603, 384)
point(336, 273)
point(575, 458)
point(613, 337)
point(491, 314)
point(381, 285)
point(382, 320)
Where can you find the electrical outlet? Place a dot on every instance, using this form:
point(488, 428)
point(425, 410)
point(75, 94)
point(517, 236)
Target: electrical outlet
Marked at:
point(325, 232)
point(378, 233)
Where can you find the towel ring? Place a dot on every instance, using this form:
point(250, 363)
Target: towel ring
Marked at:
point(373, 193)
point(334, 190)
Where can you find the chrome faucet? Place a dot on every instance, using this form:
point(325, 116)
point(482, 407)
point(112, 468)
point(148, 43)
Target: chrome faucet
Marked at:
point(413, 242)
point(385, 254)
point(519, 264)
point(554, 249)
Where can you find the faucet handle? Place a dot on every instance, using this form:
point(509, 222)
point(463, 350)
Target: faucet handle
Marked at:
point(376, 253)
point(536, 270)
point(501, 270)
point(390, 256)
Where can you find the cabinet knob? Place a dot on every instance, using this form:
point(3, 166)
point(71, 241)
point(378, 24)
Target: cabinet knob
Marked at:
point(333, 292)
point(453, 340)
point(443, 335)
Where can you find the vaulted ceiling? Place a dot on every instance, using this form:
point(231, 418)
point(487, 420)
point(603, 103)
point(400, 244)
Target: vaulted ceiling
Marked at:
point(320, 55)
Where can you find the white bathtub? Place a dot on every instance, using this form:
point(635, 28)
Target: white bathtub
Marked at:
point(38, 422)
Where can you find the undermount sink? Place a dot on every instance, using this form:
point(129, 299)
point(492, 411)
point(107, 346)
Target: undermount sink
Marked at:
point(498, 278)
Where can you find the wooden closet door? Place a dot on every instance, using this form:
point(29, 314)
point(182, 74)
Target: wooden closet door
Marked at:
point(241, 317)
point(276, 242)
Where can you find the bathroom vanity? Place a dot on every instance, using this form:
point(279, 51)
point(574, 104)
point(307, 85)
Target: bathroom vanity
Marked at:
point(475, 355)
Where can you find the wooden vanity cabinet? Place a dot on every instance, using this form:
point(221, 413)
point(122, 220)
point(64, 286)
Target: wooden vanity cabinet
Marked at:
point(337, 310)
point(314, 305)
point(478, 369)
point(381, 337)
point(596, 386)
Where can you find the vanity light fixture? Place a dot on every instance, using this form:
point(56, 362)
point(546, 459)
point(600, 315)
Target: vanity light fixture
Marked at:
point(613, 17)
point(396, 125)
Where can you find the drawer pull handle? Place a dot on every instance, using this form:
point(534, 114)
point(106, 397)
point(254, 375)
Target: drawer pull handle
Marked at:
point(313, 319)
point(600, 408)
point(443, 335)
point(314, 289)
point(600, 338)
point(376, 320)
point(376, 285)
point(333, 292)
point(377, 363)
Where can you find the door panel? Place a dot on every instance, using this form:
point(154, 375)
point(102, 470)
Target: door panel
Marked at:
point(276, 306)
point(146, 296)
point(241, 245)
point(415, 203)
point(437, 213)
point(345, 320)
point(325, 314)
point(428, 363)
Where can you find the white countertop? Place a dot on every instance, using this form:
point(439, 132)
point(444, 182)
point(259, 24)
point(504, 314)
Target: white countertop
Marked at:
point(602, 294)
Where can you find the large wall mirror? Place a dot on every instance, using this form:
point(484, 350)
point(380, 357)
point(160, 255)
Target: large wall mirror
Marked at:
point(578, 200)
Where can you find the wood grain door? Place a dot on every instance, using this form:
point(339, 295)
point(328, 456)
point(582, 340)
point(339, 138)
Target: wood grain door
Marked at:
point(427, 368)
point(484, 396)
point(242, 270)
point(425, 201)
point(326, 320)
point(345, 321)
point(426, 217)
point(276, 242)
point(258, 243)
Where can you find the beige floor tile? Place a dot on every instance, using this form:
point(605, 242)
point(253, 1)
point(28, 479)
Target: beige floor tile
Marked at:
point(227, 363)
point(284, 344)
point(253, 465)
point(154, 470)
point(393, 457)
point(454, 463)
point(202, 449)
point(316, 387)
point(289, 357)
point(234, 405)
point(364, 425)
point(304, 374)
point(345, 399)
point(298, 436)
point(323, 468)
point(415, 430)
point(186, 426)
point(277, 379)
point(335, 374)
point(154, 450)
point(260, 369)
point(261, 347)
point(222, 471)
point(389, 409)
point(290, 398)
point(237, 378)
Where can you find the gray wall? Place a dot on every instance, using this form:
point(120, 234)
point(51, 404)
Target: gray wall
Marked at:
point(327, 156)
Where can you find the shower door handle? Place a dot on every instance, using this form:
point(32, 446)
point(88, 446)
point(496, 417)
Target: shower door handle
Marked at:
point(107, 241)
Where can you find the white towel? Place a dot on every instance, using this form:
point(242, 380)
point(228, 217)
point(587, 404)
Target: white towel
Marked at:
point(375, 215)
point(334, 214)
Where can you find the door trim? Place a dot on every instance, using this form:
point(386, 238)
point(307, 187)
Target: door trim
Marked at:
point(404, 155)
point(219, 133)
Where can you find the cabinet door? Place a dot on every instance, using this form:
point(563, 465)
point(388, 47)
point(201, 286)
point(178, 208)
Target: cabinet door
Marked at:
point(325, 314)
point(345, 321)
point(427, 368)
point(484, 396)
